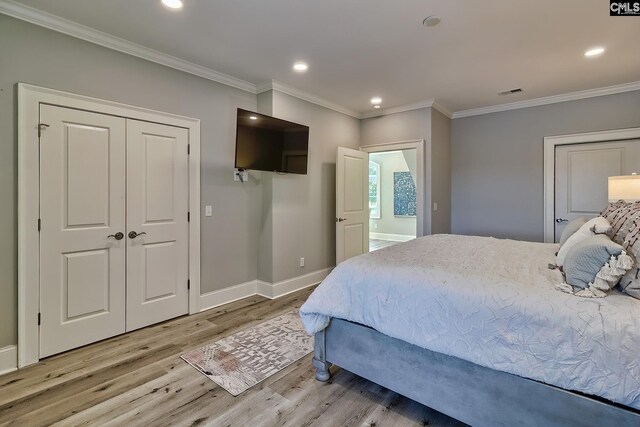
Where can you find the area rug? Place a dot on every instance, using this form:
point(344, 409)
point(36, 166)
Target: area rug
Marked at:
point(245, 358)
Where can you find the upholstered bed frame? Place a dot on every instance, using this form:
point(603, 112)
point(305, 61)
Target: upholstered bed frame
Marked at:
point(468, 392)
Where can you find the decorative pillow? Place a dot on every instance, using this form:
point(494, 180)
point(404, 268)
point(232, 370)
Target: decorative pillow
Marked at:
point(630, 283)
point(570, 229)
point(623, 220)
point(597, 225)
point(611, 209)
point(594, 266)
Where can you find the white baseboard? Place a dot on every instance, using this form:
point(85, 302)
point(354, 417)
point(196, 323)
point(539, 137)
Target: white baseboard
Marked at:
point(391, 237)
point(225, 296)
point(285, 287)
point(8, 359)
point(258, 287)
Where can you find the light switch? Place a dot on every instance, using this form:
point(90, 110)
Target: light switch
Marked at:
point(208, 211)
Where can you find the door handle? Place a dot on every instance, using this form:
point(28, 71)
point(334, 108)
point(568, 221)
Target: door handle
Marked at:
point(117, 236)
point(340, 219)
point(133, 234)
point(560, 220)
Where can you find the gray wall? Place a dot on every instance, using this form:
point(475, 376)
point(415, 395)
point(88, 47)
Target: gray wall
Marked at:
point(406, 126)
point(265, 226)
point(440, 172)
point(434, 127)
point(388, 223)
point(38, 56)
point(497, 161)
point(303, 206)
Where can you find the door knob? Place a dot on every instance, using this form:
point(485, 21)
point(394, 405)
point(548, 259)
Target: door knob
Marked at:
point(559, 220)
point(133, 234)
point(117, 236)
point(340, 219)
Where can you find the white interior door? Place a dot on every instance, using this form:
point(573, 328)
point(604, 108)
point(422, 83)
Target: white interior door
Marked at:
point(157, 227)
point(82, 206)
point(352, 203)
point(581, 177)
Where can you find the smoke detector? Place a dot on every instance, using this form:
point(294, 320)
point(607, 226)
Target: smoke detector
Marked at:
point(510, 91)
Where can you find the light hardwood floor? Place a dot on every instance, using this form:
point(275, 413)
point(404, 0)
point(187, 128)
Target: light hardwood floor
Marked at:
point(375, 244)
point(138, 379)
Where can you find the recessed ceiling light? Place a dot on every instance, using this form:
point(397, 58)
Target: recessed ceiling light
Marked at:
point(594, 51)
point(300, 67)
point(376, 106)
point(173, 4)
point(253, 117)
point(376, 100)
point(431, 21)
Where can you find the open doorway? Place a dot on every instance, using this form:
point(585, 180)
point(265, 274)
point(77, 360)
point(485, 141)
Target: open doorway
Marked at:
point(392, 197)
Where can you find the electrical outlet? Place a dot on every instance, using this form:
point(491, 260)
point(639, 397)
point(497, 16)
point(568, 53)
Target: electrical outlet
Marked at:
point(435, 206)
point(237, 173)
point(375, 225)
point(301, 262)
point(208, 210)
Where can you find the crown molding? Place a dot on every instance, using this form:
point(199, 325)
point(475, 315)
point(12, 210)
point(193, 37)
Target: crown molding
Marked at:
point(436, 105)
point(65, 26)
point(429, 103)
point(571, 96)
point(305, 96)
point(70, 28)
point(399, 109)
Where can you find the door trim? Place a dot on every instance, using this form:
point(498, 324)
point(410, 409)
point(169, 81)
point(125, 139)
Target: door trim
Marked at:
point(550, 144)
point(29, 99)
point(418, 145)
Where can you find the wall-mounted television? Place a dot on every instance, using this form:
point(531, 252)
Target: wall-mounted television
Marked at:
point(268, 144)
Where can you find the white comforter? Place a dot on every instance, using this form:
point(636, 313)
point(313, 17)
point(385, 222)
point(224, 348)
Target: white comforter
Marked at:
point(491, 302)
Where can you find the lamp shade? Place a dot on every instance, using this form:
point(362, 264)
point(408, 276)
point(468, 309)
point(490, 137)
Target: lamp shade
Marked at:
point(626, 187)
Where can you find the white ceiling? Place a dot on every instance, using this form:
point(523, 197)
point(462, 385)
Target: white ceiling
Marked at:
point(360, 48)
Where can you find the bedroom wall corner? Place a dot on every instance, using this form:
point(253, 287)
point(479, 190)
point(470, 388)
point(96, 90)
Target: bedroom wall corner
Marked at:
point(265, 218)
point(303, 206)
point(497, 161)
point(440, 172)
point(434, 128)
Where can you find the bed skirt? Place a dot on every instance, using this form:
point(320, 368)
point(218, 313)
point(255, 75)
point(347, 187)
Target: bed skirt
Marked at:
point(463, 390)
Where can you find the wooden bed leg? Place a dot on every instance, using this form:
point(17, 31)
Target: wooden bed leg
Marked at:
point(320, 358)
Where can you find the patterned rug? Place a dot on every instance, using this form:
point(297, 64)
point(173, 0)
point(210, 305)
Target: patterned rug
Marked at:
point(245, 358)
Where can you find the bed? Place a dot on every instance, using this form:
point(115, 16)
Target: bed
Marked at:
point(474, 327)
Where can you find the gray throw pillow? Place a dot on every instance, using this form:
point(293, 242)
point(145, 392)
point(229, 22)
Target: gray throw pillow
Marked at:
point(586, 259)
point(571, 228)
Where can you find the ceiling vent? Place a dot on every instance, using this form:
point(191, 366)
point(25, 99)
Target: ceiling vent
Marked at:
point(510, 92)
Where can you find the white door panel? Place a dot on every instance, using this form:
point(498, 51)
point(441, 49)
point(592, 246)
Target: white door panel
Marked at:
point(157, 205)
point(82, 202)
point(354, 241)
point(352, 203)
point(582, 172)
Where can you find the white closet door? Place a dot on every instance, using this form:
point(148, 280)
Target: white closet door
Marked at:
point(82, 203)
point(157, 227)
point(582, 172)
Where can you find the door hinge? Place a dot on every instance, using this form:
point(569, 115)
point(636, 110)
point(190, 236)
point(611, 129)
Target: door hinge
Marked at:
point(188, 216)
point(39, 319)
point(188, 284)
point(188, 148)
point(39, 224)
point(41, 127)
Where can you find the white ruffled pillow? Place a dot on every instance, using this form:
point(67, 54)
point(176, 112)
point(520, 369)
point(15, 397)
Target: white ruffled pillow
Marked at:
point(597, 225)
point(594, 266)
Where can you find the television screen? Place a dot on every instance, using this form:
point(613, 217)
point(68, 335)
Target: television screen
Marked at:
point(269, 144)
